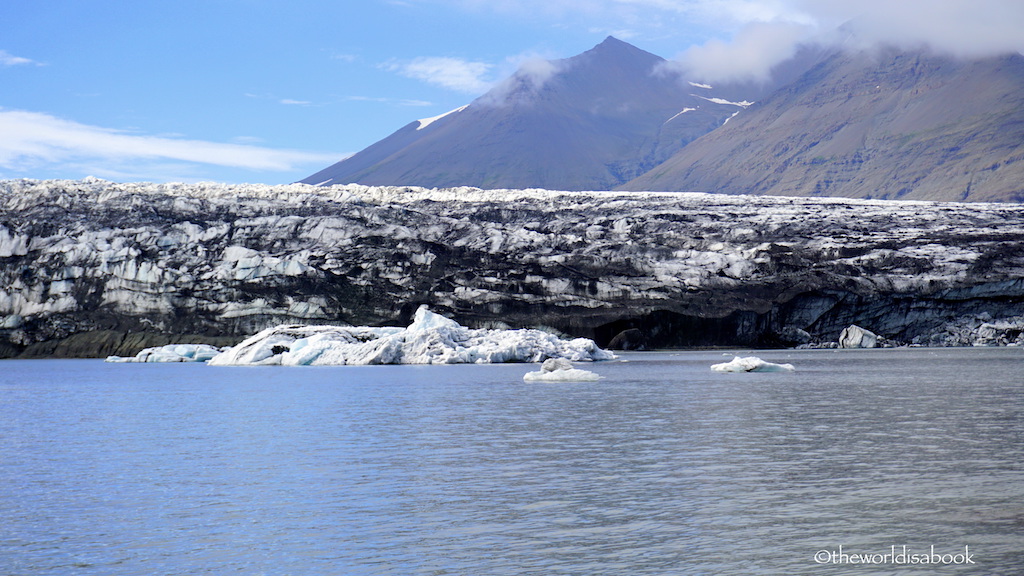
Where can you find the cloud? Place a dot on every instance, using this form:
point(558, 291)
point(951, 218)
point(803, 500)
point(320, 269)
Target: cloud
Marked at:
point(749, 56)
point(248, 140)
point(536, 71)
point(8, 59)
point(451, 73)
point(977, 27)
point(290, 102)
point(32, 141)
point(969, 29)
point(760, 35)
point(533, 72)
point(743, 39)
point(535, 8)
point(384, 100)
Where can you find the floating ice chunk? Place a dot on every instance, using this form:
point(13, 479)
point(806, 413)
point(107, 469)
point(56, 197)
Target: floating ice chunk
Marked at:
point(751, 364)
point(171, 353)
point(856, 337)
point(574, 375)
point(560, 370)
point(430, 339)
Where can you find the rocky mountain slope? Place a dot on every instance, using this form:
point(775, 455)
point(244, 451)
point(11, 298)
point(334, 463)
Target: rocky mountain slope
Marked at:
point(96, 268)
point(590, 122)
point(884, 124)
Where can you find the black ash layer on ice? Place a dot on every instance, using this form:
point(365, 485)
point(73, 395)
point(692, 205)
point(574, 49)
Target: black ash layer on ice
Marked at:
point(95, 264)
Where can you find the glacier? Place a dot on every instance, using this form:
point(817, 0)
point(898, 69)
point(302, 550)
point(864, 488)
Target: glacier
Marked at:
point(97, 268)
point(430, 339)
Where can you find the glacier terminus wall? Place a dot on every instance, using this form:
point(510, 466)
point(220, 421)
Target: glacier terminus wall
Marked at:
point(91, 268)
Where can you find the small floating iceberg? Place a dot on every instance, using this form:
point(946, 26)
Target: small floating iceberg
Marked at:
point(856, 337)
point(560, 370)
point(430, 339)
point(751, 364)
point(171, 353)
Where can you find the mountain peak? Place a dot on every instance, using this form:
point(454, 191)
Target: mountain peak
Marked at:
point(612, 41)
point(611, 48)
point(588, 122)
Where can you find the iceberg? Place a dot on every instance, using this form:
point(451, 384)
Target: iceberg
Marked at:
point(430, 339)
point(171, 353)
point(751, 364)
point(856, 337)
point(560, 370)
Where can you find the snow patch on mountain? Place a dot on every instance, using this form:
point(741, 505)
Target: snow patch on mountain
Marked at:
point(424, 122)
point(741, 104)
point(684, 111)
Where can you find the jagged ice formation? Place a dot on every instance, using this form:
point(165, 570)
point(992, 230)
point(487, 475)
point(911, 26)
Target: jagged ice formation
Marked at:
point(94, 268)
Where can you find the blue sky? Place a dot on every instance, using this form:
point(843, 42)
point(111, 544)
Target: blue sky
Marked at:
point(272, 91)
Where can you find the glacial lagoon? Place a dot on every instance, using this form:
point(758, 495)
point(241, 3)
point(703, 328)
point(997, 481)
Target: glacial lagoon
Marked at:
point(662, 467)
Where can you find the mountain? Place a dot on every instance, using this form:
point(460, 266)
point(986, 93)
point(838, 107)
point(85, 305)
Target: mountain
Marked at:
point(882, 124)
point(590, 122)
point(93, 268)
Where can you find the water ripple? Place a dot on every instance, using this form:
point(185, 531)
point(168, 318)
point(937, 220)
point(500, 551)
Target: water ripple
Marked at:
point(660, 468)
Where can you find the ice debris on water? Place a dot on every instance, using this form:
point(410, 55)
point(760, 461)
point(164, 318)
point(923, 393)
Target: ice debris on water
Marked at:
point(751, 364)
point(856, 337)
point(430, 339)
point(560, 370)
point(171, 353)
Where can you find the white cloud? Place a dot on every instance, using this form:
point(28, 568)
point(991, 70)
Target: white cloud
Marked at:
point(537, 71)
point(451, 73)
point(749, 11)
point(625, 34)
point(8, 59)
point(536, 8)
point(745, 38)
point(248, 140)
point(32, 141)
point(763, 34)
point(383, 100)
point(749, 56)
point(533, 72)
point(971, 29)
point(290, 102)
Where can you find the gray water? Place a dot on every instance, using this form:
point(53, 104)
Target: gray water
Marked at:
point(663, 467)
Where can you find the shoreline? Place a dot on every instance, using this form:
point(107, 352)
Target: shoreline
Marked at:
point(100, 344)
